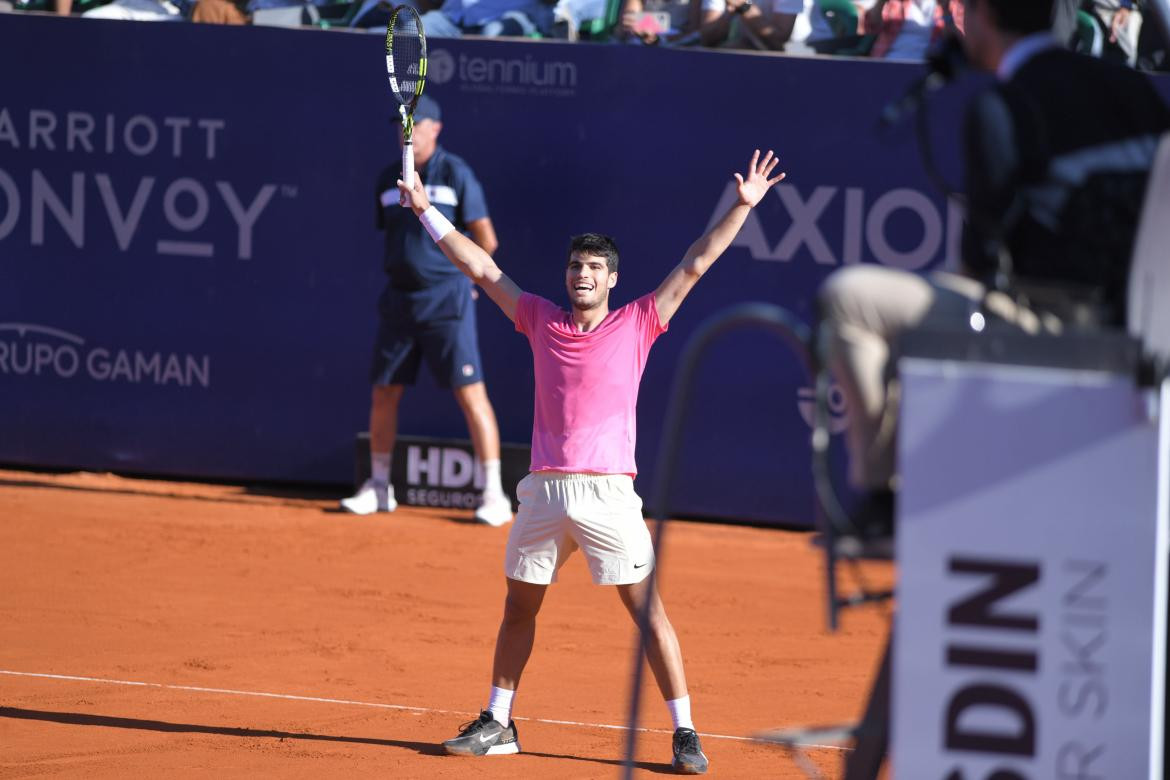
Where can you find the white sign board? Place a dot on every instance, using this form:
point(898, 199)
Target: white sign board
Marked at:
point(1032, 557)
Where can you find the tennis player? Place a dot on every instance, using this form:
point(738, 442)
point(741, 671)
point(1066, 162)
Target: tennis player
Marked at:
point(588, 363)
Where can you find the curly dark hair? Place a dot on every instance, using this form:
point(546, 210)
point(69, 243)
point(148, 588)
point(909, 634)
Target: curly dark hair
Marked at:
point(597, 245)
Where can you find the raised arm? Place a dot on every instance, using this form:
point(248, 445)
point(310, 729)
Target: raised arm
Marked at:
point(468, 256)
point(704, 252)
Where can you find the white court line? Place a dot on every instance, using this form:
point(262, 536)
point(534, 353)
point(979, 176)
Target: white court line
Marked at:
point(401, 707)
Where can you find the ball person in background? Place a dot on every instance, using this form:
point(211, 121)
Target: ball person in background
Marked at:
point(427, 313)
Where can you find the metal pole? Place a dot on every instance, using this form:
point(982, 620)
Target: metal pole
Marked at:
point(792, 331)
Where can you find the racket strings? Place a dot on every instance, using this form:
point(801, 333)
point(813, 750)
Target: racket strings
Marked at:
point(406, 57)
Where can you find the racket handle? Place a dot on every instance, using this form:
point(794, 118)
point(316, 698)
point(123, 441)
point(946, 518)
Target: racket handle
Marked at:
point(407, 169)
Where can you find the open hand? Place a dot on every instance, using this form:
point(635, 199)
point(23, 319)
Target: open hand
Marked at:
point(757, 183)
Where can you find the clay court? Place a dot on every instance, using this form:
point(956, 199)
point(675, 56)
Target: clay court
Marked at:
point(154, 628)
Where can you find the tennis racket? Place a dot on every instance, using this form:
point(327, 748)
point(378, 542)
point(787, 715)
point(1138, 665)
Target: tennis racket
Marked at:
point(406, 65)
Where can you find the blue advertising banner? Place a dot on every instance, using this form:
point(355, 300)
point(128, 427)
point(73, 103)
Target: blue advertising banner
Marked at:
point(189, 264)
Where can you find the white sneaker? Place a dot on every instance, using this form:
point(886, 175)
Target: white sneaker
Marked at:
point(371, 497)
point(496, 510)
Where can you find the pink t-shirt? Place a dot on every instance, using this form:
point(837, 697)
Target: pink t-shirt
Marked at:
point(587, 384)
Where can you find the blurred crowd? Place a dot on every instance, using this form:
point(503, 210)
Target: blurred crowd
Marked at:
point(889, 29)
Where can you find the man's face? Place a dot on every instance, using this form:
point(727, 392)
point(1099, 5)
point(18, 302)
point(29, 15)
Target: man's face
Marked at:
point(589, 281)
point(425, 136)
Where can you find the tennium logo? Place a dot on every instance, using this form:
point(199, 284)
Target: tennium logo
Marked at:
point(440, 66)
point(527, 75)
point(29, 350)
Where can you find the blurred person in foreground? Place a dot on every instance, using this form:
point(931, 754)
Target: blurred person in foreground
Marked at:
point(427, 313)
point(1057, 154)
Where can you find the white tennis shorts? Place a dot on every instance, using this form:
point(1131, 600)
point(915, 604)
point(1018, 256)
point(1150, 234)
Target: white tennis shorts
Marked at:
point(559, 512)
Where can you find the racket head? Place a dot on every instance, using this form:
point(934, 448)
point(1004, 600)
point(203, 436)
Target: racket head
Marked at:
point(406, 61)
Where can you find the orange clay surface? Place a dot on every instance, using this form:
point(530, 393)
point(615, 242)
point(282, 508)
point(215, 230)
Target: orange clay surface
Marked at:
point(223, 631)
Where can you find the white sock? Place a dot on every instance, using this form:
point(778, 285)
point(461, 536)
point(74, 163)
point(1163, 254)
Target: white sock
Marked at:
point(680, 712)
point(380, 467)
point(491, 478)
point(500, 704)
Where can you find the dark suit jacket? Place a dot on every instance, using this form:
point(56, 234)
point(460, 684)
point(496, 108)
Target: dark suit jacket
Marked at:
point(1056, 164)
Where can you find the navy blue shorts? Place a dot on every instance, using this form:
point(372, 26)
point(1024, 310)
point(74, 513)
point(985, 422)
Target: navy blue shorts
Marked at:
point(450, 347)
